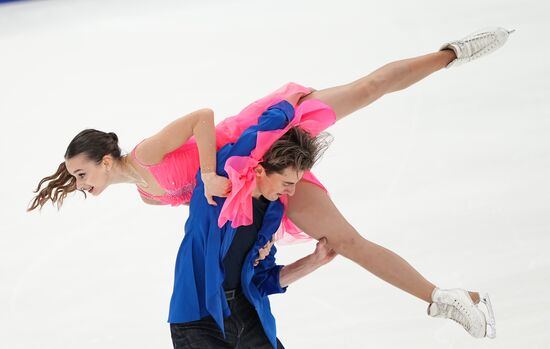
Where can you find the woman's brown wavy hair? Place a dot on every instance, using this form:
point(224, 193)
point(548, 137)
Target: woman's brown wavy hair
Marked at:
point(95, 145)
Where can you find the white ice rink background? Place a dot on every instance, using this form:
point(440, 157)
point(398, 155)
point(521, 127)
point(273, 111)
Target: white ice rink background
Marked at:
point(452, 173)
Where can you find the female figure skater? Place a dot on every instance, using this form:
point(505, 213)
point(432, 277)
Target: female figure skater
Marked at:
point(164, 165)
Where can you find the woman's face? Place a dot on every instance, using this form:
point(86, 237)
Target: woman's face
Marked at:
point(274, 185)
point(90, 176)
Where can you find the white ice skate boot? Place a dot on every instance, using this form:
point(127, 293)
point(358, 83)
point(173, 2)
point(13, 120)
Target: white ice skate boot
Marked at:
point(477, 44)
point(456, 304)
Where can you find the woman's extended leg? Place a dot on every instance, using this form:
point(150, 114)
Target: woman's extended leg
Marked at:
point(311, 209)
point(394, 76)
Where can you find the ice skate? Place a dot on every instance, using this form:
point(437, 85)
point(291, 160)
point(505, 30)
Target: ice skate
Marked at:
point(477, 44)
point(456, 304)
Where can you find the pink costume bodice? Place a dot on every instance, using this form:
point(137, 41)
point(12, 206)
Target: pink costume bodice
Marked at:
point(175, 174)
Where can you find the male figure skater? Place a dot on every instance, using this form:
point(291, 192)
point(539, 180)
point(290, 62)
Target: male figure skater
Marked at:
point(221, 285)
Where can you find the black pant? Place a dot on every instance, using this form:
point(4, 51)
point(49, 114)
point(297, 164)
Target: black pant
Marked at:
point(243, 330)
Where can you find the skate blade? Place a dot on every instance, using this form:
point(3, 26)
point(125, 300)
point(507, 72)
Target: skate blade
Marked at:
point(491, 331)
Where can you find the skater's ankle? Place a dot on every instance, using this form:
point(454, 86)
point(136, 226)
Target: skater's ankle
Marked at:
point(474, 296)
point(449, 54)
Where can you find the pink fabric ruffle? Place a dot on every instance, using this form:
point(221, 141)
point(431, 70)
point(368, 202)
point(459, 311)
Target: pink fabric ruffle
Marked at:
point(312, 116)
point(231, 128)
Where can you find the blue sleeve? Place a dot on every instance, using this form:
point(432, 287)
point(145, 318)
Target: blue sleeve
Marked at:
point(275, 117)
point(267, 275)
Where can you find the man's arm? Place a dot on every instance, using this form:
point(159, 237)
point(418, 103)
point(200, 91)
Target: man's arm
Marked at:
point(275, 117)
point(304, 266)
point(271, 278)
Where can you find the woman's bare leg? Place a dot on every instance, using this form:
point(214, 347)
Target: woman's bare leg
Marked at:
point(395, 76)
point(311, 209)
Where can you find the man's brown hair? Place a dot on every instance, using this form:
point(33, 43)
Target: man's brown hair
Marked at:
point(295, 149)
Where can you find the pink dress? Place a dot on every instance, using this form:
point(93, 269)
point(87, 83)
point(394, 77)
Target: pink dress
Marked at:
point(177, 170)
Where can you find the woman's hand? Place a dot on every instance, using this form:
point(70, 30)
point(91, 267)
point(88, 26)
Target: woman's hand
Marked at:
point(264, 251)
point(215, 185)
point(322, 254)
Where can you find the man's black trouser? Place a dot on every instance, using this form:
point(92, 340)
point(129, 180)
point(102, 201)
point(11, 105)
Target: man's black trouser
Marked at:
point(243, 330)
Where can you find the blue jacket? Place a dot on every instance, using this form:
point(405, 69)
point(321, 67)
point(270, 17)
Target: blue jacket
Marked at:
point(198, 290)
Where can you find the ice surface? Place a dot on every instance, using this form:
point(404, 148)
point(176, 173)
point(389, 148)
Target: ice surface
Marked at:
point(452, 174)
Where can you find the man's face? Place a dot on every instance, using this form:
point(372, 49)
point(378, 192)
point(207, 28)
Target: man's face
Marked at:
point(274, 185)
point(90, 177)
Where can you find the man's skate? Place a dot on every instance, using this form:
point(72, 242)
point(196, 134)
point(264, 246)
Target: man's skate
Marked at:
point(456, 304)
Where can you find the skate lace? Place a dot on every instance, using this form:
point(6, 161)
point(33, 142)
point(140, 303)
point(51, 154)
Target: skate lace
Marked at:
point(460, 314)
point(482, 43)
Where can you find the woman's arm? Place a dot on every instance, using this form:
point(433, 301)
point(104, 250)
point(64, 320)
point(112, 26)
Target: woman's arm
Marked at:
point(152, 202)
point(201, 125)
point(302, 267)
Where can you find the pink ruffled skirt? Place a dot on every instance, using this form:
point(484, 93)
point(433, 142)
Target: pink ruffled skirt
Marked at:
point(186, 158)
